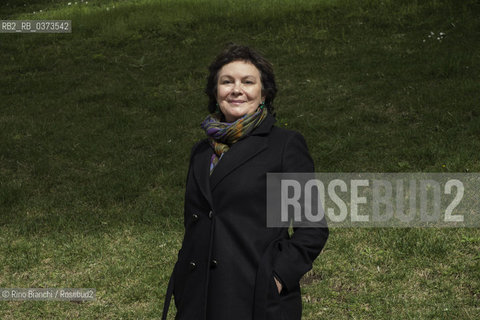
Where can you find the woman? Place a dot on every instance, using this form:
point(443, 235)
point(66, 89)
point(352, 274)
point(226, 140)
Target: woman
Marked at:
point(231, 266)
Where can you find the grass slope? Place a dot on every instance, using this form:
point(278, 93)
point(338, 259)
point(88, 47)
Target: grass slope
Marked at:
point(96, 127)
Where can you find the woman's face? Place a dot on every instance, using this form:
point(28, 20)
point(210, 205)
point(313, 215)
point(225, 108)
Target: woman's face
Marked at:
point(239, 89)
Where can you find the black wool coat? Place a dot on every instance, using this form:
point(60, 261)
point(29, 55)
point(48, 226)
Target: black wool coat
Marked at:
point(228, 257)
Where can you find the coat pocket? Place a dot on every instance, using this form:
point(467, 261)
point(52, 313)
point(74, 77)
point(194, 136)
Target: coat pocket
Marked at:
point(273, 311)
point(180, 274)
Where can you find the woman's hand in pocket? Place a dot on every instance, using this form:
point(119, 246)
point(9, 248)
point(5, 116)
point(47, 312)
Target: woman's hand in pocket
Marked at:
point(279, 285)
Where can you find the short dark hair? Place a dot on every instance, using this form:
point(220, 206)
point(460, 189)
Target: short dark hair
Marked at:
point(234, 52)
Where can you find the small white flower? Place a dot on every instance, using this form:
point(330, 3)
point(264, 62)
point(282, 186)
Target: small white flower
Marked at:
point(34, 12)
point(69, 4)
point(424, 40)
point(40, 10)
point(442, 33)
point(108, 8)
point(432, 33)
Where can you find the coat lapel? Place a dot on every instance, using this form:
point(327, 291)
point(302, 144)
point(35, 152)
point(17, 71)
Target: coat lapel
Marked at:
point(201, 171)
point(242, 151)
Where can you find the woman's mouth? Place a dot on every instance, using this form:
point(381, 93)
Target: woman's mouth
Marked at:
point(236, 102)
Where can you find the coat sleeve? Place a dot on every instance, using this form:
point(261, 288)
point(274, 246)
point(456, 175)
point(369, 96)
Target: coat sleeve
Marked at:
point(297, 254)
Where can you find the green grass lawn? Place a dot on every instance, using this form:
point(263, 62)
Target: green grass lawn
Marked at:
point(96, 127)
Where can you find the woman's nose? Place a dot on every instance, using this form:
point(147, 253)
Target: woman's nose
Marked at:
point(237, 88)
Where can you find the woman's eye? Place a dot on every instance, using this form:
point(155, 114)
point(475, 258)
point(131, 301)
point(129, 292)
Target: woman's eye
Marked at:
point(226, 81)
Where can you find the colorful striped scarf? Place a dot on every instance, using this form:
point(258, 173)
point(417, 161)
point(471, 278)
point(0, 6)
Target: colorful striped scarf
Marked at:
point(223, 134)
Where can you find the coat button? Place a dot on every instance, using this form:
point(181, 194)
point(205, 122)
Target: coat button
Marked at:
point(214, 263)
point(192, 265)
point(210, 214)
point(195, 216)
